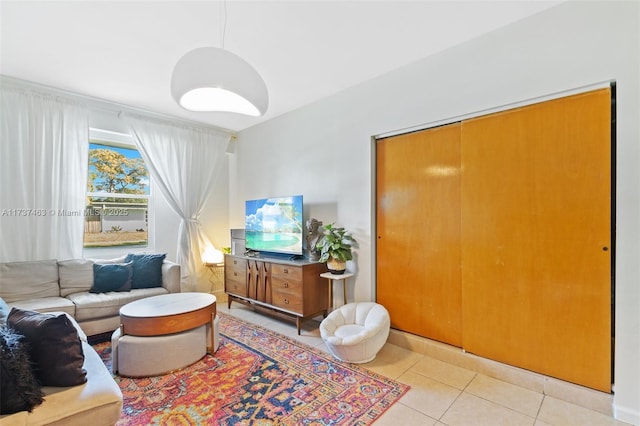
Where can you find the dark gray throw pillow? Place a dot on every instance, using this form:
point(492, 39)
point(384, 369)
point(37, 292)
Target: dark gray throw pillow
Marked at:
point(147, 269)
point(55, 348)
point(112, 277)
point(19, 389)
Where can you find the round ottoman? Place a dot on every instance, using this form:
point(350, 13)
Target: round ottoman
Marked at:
point(356, 332)
point(144, 356)
point(137, 356)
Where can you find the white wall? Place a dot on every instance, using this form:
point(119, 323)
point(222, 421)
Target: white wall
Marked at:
point(324, 150)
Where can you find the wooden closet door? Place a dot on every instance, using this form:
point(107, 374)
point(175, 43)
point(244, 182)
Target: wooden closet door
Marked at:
point(536, 221)
point(418, 232)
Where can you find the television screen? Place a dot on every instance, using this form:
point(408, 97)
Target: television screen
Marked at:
point(274, 225)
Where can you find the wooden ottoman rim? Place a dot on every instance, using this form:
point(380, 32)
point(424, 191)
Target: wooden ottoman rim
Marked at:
point(167, 314)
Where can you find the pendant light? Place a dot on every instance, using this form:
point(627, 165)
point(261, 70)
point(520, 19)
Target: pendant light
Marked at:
point(214, 79)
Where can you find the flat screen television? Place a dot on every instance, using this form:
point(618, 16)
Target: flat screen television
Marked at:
point(274, 225)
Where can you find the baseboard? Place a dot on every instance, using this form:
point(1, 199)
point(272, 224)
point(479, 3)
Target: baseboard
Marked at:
point(626, 414)
point(579, 395)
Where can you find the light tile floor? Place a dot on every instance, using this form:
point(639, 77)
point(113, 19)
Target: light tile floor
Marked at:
point(442, 393)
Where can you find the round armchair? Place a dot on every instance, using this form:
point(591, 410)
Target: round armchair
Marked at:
point(356, 332)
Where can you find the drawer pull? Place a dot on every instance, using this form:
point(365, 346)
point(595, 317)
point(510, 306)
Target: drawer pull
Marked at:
point(286, 301)
point(285, 270)
point(235, 274)
point(285, 285)
point(235, 262)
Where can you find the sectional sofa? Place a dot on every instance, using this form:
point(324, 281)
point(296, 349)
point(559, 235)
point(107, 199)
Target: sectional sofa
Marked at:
point(65, 286)
point(97, 401)
point(89, 293)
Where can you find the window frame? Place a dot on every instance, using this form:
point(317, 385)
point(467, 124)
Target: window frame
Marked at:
point(120, 140)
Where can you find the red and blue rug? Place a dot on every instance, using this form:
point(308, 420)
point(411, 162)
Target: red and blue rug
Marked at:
point(257, 377)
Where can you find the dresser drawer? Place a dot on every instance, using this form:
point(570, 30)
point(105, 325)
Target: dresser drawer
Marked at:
point(286, 285)
point(235, 267)
point(286, 271)
point(289, 301)
point(235, 276)
point(239, 288)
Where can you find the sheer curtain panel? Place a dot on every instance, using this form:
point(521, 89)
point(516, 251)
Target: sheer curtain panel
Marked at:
point(183, 162)
point(44, 142)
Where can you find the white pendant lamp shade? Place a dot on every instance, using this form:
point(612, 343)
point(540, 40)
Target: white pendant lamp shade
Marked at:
point(214, 79)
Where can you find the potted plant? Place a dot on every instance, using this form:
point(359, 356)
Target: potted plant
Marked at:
point(335, 248)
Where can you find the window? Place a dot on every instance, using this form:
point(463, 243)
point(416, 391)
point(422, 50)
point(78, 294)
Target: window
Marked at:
point(117, 211)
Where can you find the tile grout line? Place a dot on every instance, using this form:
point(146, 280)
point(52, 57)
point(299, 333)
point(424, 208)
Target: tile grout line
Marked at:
point(461, 391)
point(544, 396)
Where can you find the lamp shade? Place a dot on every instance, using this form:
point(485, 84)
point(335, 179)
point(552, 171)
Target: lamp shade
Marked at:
point(214, 79)
point(212, 255)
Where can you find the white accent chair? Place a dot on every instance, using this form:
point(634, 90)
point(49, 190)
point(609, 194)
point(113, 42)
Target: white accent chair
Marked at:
point(355, 332)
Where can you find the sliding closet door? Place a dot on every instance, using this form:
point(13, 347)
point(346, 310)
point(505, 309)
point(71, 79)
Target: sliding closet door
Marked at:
point(536, 267)
point(418, 231)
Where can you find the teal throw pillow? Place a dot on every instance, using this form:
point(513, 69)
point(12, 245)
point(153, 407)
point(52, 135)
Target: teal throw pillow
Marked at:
point(112, 277)
point(147, 269)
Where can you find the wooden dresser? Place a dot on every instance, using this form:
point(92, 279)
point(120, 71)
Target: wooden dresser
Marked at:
point(289, 288)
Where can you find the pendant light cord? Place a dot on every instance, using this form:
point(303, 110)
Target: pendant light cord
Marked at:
point(223, 21)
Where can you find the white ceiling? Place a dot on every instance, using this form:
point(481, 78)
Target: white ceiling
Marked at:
point(124, 51)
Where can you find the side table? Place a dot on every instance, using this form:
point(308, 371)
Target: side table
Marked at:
point(217, 276)
point(337, 277)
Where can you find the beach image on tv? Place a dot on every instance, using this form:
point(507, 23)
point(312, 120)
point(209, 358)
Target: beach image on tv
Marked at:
point(274, 224)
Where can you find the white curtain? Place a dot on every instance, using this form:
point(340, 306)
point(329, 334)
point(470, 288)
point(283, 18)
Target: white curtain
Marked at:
point(183, 161)
point(44, 142)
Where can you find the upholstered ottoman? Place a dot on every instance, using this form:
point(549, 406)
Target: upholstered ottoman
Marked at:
point(356, 332)
point(138, 356)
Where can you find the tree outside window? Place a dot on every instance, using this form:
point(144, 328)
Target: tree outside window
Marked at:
point(117, 197)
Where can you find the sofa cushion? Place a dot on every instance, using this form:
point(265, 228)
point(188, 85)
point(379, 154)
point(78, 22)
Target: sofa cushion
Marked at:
point(147, 269)
point(90, 306)
point(46, 304)
point(99, 401)
point(55, 346)
point(112, 277)
point(18, 386)
point(76, 275)
point(28, 280)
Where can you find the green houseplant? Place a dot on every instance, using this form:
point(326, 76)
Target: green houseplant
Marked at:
point(335, 246)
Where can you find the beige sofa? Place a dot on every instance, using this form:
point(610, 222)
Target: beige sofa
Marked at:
point(53, 286)
point(97, 402)
point(63, 286)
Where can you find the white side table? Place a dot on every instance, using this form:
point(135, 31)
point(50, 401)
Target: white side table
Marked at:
point(337, 277)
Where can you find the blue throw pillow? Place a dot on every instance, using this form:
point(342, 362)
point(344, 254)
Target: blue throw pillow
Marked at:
point(147, 269)
point(112, 277)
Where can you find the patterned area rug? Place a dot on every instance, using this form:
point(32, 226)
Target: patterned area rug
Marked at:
point(257, 377)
